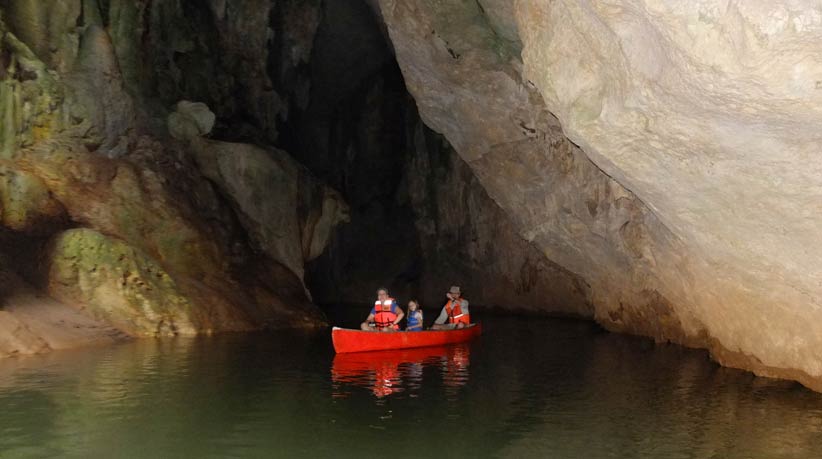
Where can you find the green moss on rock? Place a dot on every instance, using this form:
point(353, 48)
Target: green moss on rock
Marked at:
point(31, 98)
point(118, 283)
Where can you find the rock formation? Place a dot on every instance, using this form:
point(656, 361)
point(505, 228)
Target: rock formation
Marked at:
point(111, 228)
point(659, 150)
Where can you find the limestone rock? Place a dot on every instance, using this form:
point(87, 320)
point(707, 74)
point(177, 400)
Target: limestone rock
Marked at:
point(692, 223)
point(288, 212)
point(31, 97)
point(118, 284)
point(180, 225)
point(99, 88)
point(156, 250)
point(707, 112)
point(190, 120)
point(466, 83)
point(467, 239)
point(240, 58)
point(49, 29)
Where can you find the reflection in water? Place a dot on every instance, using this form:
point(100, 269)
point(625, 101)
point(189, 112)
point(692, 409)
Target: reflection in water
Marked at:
point(389, 372)
point(537, 388)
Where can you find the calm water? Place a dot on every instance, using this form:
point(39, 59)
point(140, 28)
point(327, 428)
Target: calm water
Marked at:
point(527, 388)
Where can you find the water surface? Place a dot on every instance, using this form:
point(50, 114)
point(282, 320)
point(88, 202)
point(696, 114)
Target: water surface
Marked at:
point(527, 388)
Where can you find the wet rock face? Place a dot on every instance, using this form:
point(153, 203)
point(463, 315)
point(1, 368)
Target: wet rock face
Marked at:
point(686, 207)
point(120, 230)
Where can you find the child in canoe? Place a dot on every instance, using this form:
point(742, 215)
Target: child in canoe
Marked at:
point(414, 316)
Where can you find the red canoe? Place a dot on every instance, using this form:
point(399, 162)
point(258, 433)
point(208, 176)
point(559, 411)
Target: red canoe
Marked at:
point(347, 340)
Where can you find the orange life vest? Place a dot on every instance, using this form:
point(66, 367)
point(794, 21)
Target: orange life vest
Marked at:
point(454, 310)
point(384, 315)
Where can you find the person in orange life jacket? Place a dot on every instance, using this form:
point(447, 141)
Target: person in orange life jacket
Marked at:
point(455, 312)
point(385, 315)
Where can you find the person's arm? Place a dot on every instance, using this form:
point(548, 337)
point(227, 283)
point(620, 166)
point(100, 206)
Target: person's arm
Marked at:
point(399, 313)
point(365, 326)
point(442, 317)
point(464, 314)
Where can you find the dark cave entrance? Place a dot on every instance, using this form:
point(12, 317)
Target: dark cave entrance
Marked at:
point(358, 130)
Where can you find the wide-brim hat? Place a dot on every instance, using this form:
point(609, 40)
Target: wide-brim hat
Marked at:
point(454, 289)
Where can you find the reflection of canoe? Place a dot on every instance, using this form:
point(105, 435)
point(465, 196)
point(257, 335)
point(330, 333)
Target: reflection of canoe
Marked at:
point(346, 340)
point(358, 362)
point(389, 372)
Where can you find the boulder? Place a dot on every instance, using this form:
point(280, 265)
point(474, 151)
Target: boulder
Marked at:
point(190, 120)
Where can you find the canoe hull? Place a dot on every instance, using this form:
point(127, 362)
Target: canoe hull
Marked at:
point(347, 340)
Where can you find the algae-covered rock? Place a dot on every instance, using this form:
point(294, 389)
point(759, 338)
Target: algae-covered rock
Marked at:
point(181, 225)
point(117, 283)
point(31, 98)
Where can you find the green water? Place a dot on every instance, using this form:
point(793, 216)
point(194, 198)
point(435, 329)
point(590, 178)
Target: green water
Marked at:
point(527, 388)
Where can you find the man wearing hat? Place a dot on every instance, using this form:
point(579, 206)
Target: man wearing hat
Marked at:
point(455, 312)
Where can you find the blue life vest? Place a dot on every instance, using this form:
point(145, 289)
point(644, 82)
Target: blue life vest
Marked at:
point(414, 321)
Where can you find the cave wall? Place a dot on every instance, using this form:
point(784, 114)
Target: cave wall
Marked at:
point(643, 146)
point(466, 238)
point(112, 228)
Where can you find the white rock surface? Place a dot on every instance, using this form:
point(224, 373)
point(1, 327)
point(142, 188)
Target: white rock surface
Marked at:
point(699, 218)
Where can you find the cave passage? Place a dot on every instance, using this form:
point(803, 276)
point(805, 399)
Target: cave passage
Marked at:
point(175, 171)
